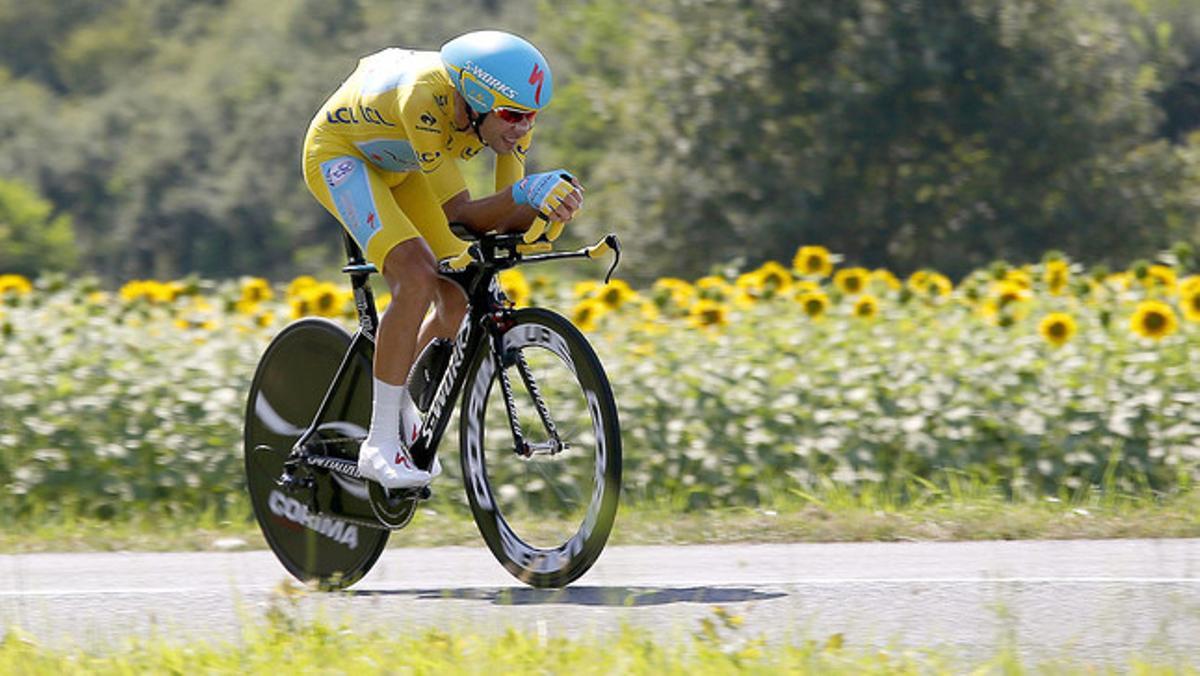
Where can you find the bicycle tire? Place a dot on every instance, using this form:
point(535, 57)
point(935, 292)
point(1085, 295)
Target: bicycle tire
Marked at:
point(289, 384)
point(491, 488)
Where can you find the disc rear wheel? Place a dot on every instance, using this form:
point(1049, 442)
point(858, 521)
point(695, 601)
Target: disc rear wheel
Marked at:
point(306, 527)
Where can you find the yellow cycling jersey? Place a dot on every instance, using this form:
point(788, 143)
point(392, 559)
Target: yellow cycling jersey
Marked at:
point(396, 111)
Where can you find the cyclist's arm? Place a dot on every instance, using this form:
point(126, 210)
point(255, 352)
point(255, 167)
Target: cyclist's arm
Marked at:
point(494, 212)
point(497, 211)
point(510, 168)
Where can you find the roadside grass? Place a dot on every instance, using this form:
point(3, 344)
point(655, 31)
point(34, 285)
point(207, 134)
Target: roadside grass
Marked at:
point(715, 647)
point(972, 511)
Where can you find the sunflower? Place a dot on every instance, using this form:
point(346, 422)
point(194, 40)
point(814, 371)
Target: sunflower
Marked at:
point(714, 288)
point(586, 288)
point(675, 291)
point(133, 290)
point(1189, 284)
point(1189, 302)
point(852, 281)
point(813, 261)
point(515, 286)
point(615, 294)
point(587, 313)
point(749, 285)
point(150, 291)
point(707, 313)
point(814, 303)
point(1057, 328)
point(301, 307)
point(299, 285)
point(540, 284)
point(256, 290)
point(886, 278)
point(1008, 292)
point(776, 279)
point(1153, 319)
point(1056, 275)
point(15, 284)
point(648, 311)
point(1020, 277)
point(930, 283)
point(325, 299)
point(264, 319)
point(866, 307)
point(1160, 279)
point(245, 307)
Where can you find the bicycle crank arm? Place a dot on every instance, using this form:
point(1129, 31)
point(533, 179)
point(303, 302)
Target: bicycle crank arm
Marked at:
point(339, 465)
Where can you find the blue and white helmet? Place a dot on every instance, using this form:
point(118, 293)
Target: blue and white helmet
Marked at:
point(494, 69)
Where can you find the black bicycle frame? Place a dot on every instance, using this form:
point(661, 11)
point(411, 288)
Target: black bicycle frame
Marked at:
point(486, 318)
point(481, 308)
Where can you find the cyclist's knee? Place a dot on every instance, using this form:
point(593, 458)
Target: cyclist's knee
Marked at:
point(410, 271)
point(451, 301)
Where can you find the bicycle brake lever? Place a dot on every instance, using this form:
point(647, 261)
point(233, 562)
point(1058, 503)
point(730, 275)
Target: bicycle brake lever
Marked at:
point(609, 243)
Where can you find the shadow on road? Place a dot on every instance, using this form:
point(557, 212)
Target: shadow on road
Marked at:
point(629, 597)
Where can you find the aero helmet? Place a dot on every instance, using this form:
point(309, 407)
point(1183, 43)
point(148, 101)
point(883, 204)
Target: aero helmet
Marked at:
point(494, 69)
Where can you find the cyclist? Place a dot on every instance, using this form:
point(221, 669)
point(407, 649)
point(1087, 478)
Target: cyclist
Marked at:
point(382, 156)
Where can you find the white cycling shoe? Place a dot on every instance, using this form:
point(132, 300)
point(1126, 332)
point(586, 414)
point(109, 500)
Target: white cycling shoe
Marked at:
point(393, 468)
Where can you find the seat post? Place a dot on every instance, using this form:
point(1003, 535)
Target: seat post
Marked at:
point(360, 272)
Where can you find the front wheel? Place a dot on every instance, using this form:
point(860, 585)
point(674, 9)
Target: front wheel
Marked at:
point(545, 506)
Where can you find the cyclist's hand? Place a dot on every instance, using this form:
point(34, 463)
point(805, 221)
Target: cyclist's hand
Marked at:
point(557, 195)
point(542, 226)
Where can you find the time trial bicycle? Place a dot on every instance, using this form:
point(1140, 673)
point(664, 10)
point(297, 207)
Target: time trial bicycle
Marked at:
point(539, 440)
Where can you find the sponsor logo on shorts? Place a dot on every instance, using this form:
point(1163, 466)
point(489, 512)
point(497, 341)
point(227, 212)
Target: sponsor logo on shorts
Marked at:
point(338, 173)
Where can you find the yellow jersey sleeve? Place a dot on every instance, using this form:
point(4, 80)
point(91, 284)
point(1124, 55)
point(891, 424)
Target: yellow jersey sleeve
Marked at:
point(510, 168)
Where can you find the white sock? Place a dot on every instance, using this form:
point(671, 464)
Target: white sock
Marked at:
point(392, 406)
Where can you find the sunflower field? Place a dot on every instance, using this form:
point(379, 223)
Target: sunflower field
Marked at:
point(740, 388)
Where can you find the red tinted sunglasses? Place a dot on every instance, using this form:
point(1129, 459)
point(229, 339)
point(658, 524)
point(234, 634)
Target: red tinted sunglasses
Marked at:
point(515, 115)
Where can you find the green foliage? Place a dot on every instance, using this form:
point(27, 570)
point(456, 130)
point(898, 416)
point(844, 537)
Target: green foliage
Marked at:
point(34, 239)
point(910, 134)
point(721, 643)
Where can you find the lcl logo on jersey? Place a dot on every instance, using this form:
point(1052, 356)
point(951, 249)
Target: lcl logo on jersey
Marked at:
point(348, 115)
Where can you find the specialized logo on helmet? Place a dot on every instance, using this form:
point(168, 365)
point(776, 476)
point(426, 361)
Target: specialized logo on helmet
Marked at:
point(537, 77)
point(490, 80)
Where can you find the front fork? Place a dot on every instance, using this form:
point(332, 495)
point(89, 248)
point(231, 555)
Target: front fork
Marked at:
point(514, 357)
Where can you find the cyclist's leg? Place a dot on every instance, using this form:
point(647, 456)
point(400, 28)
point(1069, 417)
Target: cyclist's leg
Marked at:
point(417, 200)
point(361, 200)
point(359, 197)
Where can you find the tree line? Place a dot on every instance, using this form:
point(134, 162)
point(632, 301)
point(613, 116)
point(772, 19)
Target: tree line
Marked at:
point(162, 137)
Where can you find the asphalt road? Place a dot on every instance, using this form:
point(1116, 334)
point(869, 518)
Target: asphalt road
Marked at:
point(1100, 599)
